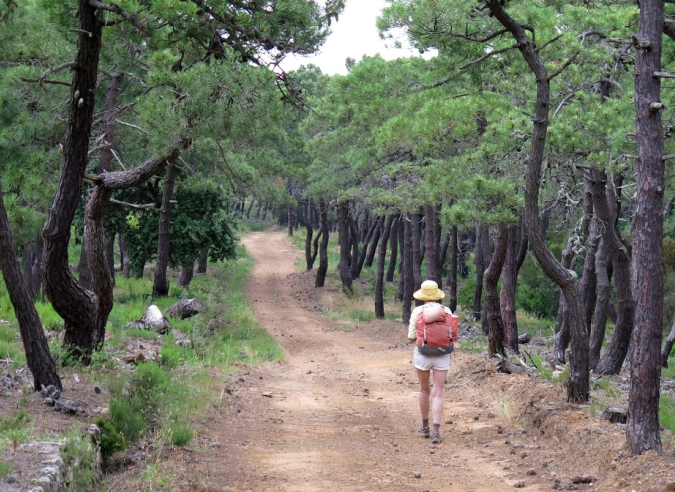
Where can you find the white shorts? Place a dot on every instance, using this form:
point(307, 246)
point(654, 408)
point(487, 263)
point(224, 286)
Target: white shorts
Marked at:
point(428, 362)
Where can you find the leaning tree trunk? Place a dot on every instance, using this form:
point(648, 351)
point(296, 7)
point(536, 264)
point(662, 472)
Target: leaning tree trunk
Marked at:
point(379, 280)
point(588, 277)
point(38, 358)
point(480, 270)
point(323, 248)
point(185, 274)
point(309, 261)
point(160, 286)
point(366, 241)
point(616, 351)
point(374, 241)
point(578, 384)
point(493, 316)
point(393, 246)
point(642, 427)
point(76, 305)
point(33, 267)
point(343, 232)
point(452, 270)
point(408, 261)
point(202, 262)
point(561, 332)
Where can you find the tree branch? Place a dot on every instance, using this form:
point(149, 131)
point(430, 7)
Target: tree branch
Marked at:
point(146, 206)
point(565, 65)
point(116, 9)
point(41, 79)
point(487, 55)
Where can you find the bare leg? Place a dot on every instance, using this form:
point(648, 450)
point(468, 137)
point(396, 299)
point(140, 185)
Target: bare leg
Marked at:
point(425, 391)
point(437, 396)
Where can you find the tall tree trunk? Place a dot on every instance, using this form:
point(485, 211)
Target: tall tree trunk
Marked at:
point(248, 210)
point(493, 316)
point(393, 246)
point(38, 358)
point(578, 384)
point(507, 299)
point(323, 248)
point(379, 280)
point(343, 232)
point(561, 331)
point(124, 255)
point(267, 206)
point(366, 242)
point(309, 261)
point(408, 274)
point(160, 287)
point(374, 240)
point(480, 270)
point(601, 305)
point(416, 253)
point(615, 353)
point(185, 274)
point(642, 427)
point(431, 244)
point(315, 251)
point(76, 305)
point(462, 248)
point(401, 245)
point(588, 276)
point(257, 212)
point(110, 255)
point(354, 256)
point(289, 214)
point(444, 250)
point(452, 270)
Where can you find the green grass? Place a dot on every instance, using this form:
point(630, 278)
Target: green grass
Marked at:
point(667, 412)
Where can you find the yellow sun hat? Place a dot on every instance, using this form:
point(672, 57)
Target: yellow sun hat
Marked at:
point(429, 292)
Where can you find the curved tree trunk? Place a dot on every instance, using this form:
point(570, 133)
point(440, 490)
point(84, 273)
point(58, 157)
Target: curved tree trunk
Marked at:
point(642, 427)
point(323, 248)
point(33, 267)
point(578, 384)
point(379, 280)
point(493, 316)
point(374, 241)
point(393, 246)
point(408, 261)
point(562, 334)
point(202, 262)
point(76, 305)
point(38, 358)
point(160, 286)
point(343, 232)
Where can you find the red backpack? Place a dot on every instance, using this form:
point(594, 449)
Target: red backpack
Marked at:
point(436, 330)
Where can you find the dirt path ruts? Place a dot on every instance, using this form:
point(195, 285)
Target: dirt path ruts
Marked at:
point(341, 413)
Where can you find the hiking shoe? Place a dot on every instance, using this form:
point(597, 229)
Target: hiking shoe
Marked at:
point(436, 438)
point(424, 431)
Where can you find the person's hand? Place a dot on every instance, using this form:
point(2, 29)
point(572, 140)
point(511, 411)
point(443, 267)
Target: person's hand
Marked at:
point(412, 340)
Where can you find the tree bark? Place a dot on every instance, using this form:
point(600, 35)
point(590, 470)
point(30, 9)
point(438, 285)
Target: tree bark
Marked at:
point(38, 358)
point(248, 210)
point(462, 248)
point(374, 241)
point(615, 353)
point(561, 331)
point(160, 287)
point(323, 248)
point(578, 384)
point(642, 428)
point(124, 255)
point(393, 246)
point(507, 299)
point(601, 305)
point(289, 214)
point(588, 276)
point(110, 255)
point(408, 261)
point(493, 316)
point(33, 267)
point(354, 256)
point(76, 305)
point(379, 280)
point(309, 260)
point(343, 232)
point(452, 270)
point(366, 241)
point(480, 270)
point(668, 346)
point(185, 274)
point(416, 253)
point(431, 244)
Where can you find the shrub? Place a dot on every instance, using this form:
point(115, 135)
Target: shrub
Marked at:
point(180, 432)
point(127, 418)
point(79, 455)
point(111, 439)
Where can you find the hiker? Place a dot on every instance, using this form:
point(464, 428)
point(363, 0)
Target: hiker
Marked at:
point(430, 330)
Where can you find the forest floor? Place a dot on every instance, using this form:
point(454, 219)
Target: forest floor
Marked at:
point(341, 414)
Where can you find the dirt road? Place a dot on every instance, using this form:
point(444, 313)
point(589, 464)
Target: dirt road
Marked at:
point(341, 412)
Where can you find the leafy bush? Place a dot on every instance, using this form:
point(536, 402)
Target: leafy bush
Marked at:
point(111, 439)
